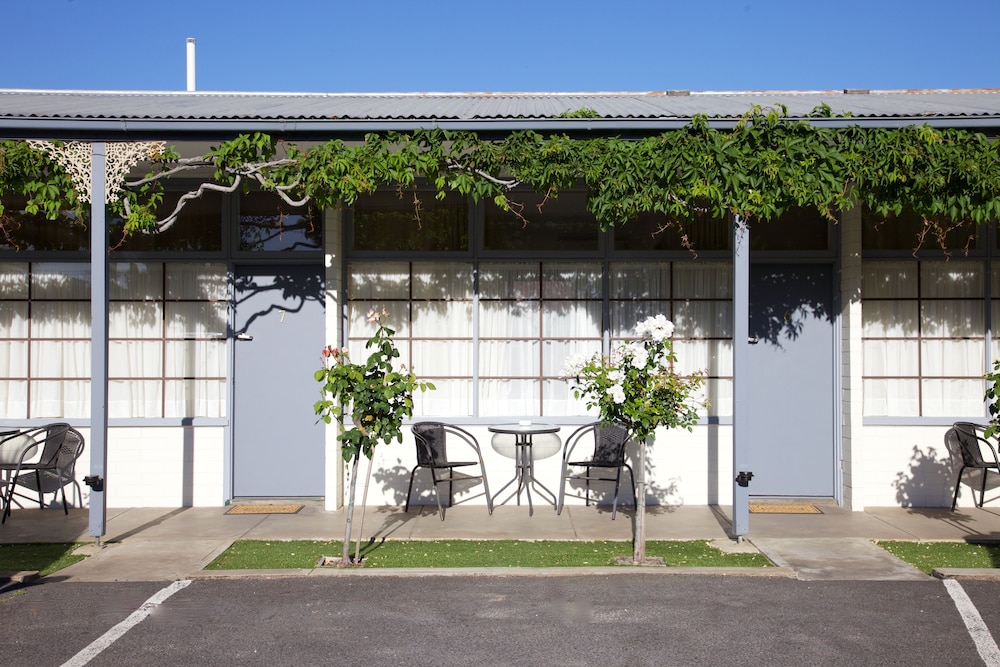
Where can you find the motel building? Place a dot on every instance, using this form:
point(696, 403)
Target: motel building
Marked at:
point(836, 356)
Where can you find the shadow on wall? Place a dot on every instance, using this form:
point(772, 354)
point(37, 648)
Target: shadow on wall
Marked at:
point(928, 481)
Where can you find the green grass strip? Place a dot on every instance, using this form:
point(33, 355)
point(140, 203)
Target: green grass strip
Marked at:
point(43, 558)
point(926, 556)
point(272, 554)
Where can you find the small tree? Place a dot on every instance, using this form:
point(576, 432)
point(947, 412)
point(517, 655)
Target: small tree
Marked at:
point(637, 387)
point(374, 395)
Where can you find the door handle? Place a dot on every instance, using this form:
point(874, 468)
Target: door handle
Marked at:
point(752, 340)
point(244, 336)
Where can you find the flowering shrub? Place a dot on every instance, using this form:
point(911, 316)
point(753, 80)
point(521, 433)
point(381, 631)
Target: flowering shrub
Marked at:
point(636, 385)
point(375, 395)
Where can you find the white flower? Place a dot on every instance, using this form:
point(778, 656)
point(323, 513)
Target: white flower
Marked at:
point(616, 375)
point(617, 394)
point(574, 364)
point(638, 355)
point(658, 328)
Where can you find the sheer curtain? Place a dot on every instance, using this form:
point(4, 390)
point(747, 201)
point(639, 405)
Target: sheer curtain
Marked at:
point(924, 338)
point(14, 340)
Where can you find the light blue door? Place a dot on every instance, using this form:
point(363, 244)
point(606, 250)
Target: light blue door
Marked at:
point(793, 408)
point(279, 331)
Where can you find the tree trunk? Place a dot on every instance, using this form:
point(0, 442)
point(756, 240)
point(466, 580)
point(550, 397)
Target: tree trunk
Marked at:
point(345, 556)
point(639, 540)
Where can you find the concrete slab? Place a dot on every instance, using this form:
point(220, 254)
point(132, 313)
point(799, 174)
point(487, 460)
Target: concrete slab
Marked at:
point(829, 559)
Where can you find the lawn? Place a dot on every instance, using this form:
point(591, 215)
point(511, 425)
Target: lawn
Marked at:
point(929, 555)
point(43, 558)
point(272, 554)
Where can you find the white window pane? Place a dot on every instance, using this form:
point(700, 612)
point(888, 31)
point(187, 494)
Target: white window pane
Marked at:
point(14, 324)
point(951, 279)
point(135, 359)
point(13, 399)
point(571, 319)
point(442, 319)
point(51, 280)
point(60, 319)
point(718, 393)
point(436, 280)
point(946, 358)
point(892, 280)
point(134, 398)
point(13, 280)
point(952, 318)
point(509, 319)
point(136, 281)
point(953, 398)
point(195, 398)
point(63, 399)
point(449, 398)
point(195, 320)
point(202, 280)
point(509, 281)
point(197, 358)
point(560, 401)
point(379, 280)
point(703, 319)
point(713, 356)
point(135, 320)
point(896, 319)
point(508, 398)
point(890, 357)
point(513, 358)
point(898, 398)
point(436, 358)
point(647, 280)
point(703, 281)
point(571, 281)
point(14, 358)
point(60, 359)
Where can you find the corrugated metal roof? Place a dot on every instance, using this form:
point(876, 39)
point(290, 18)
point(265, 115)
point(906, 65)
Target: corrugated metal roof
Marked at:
point(132, 111)
point(480, 106)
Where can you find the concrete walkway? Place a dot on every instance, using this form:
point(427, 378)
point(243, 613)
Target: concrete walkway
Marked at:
point(157, 544)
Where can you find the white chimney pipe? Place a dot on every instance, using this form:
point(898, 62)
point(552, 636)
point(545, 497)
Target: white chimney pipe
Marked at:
point(190, 64)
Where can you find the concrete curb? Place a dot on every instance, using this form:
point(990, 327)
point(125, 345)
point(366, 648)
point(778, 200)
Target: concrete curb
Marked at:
point(773, 572)
point(982, 573)
point(23, 577)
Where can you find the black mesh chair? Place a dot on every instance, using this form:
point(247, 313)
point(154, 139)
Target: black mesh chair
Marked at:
point(23, 465)
point(977, 452)
point(433, 440)
point(607, 443)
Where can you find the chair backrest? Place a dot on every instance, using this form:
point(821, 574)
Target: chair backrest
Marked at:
point(18, 447)
point(971, 443)
point(70, 451)
point(430, 438)
point(609, 444)
point(52, 444)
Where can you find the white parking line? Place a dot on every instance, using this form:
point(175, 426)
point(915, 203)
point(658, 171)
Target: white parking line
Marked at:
point(112, 635)
point(980, 634)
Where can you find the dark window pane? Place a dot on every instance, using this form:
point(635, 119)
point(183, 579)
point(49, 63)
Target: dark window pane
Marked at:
point(906, 232)
point(563, 223)
point(654, 231)
point(416, 221)
point(269, 224)
point(797, 229)
point(198, 227)
point(22, 231)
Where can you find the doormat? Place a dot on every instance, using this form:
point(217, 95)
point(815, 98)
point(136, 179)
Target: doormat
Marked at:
point(264, 509)
point(784, 509)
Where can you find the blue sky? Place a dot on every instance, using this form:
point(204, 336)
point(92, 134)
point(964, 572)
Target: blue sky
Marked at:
point(500, 45)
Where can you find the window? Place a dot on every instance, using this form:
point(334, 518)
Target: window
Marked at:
point(410, 221)
point(924, 338)
point(22, 231)
point(267, 223)
point(167, 325)
point(197, 229)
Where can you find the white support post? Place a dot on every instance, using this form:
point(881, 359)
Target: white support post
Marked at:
point(98, 341)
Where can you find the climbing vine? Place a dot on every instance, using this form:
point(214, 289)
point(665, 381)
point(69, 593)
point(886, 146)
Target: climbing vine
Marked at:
point(765, 165)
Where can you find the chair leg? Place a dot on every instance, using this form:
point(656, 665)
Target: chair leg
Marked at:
point(437, 494)
point(982, 490)
point(958, 486)
point(614, 502)
point(409, 489)
point(562, 489)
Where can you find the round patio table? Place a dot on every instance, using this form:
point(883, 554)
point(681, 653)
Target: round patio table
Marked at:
point(524, 462)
